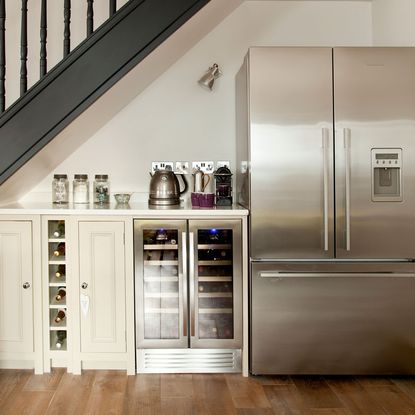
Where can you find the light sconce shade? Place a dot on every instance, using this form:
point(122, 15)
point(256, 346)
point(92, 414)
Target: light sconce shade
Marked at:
point(208, 79)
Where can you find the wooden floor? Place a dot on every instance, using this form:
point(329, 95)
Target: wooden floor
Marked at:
point(112, 392)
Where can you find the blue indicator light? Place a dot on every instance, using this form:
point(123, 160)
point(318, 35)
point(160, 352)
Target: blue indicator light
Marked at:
point(213, 231)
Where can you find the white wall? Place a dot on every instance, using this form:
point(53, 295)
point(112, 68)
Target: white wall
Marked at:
point(174, 119)
point(393, 22)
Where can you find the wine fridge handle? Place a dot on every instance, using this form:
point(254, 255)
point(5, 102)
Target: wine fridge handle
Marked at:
point(184, 283)
point(192, 283)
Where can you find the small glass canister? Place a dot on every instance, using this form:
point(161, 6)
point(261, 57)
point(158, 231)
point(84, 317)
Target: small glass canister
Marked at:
point(101, 189)
point(80, 188)
point(60, 188)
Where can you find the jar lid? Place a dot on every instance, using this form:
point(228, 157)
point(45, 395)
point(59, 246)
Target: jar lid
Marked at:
point(60, 176)
point(101, 176)
point(81, 176)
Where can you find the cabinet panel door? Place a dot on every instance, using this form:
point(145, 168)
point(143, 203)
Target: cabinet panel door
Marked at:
point(101, 261)
point(16, 302)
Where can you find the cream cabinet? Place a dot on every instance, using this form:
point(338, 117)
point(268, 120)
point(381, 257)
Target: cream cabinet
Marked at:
point(19, 296)
point(96, 271)
point(105, 295)
point(102, 284)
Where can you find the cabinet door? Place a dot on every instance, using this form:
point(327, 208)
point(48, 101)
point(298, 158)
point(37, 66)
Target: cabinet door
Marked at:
point(16, 294)
point(215, 275)
point(102, 280)
point(161, 283)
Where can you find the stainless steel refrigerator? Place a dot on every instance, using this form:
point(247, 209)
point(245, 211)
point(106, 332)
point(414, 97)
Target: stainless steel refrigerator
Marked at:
point(326, 165)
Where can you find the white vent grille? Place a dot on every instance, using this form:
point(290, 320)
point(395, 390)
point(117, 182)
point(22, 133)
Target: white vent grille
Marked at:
point(188, 361)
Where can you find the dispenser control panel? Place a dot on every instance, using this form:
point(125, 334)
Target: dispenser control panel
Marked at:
point(386, 174)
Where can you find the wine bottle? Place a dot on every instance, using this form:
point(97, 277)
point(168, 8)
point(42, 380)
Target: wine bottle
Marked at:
point(60, 316)
point(61, 293)
point(60, 338)
point(60, 272)
point(60, 230)
point(60, 250)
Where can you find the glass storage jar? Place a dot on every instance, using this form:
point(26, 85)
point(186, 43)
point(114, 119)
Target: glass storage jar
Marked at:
point(101, 189)
point(80, 188)
point(60, 188)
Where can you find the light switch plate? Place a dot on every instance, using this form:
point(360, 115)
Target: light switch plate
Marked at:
point(161, 165)
point(205, 166)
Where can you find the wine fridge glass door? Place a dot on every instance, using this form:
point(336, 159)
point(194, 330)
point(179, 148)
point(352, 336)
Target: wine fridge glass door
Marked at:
point(161, 284)
point(215, 283)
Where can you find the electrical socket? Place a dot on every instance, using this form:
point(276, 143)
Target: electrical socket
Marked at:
point(205, 166)
point(182, 167)
point(223, 164)
point(161, 165)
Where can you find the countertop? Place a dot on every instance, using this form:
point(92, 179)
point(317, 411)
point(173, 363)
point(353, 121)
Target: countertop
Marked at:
point(136, 209)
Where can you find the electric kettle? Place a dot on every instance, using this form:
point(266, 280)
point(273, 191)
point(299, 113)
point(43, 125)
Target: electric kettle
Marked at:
point(165, 188)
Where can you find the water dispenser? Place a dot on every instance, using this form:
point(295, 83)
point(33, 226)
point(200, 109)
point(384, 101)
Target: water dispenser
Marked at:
point(386, 175)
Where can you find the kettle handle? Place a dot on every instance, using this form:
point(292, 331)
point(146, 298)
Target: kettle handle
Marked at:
point(186, 186)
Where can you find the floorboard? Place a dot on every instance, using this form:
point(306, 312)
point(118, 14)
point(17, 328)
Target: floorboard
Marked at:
point(112, 392)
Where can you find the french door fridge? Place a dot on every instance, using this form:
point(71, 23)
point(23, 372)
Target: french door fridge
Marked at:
point(188, 295)
point(326, 154)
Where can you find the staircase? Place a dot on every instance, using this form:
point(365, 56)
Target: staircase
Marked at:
point(84, 74)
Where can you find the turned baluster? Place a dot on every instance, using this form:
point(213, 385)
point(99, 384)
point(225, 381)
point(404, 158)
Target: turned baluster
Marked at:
point(67, 30)
point(23, 49)
point(2, 55)
point(113, 7)
point(90, 17)
point(43, 38)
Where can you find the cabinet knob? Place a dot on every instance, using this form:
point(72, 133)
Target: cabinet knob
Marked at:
point(26, 285)
point(84, 285)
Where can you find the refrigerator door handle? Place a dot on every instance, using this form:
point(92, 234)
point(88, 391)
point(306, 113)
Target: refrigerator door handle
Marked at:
point(347, 136)
point(184, 283)
point(280, 275)
point(192, 283)
point(325, 138)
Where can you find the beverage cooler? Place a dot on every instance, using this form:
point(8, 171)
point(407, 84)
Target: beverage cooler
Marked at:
point(188, 282)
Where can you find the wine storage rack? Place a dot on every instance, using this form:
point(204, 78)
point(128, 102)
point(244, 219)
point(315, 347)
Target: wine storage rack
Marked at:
point(57, 283)
point(215, 283)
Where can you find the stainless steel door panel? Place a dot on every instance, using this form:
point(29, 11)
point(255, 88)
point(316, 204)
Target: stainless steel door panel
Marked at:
point(291, 152)
point(333, 320)
point(172, 312)
point(224, 305)
point(374, 109)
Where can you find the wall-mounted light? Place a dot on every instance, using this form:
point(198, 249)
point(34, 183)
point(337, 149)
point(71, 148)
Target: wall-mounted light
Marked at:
point(208, 79)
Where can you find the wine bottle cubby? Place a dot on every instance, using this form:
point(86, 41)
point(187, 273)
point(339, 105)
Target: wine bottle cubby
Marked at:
point(58, 309)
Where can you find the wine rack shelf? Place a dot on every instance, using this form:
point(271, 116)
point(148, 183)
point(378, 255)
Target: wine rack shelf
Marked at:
point(57, 285)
